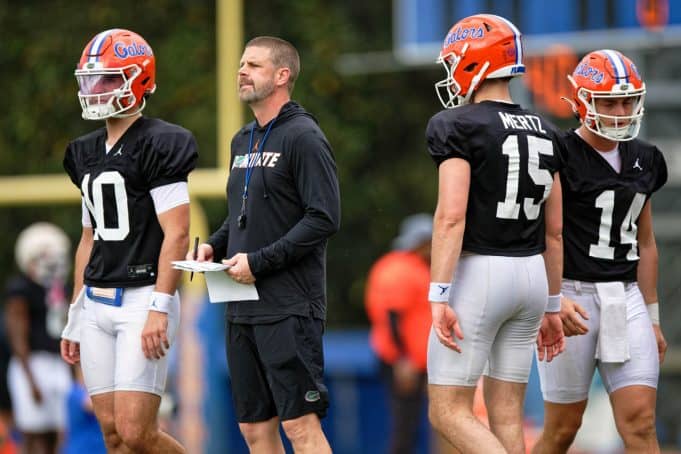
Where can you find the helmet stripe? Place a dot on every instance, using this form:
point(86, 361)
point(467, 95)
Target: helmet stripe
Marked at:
point(516, 37)
point(96, 47)
point(617, 63)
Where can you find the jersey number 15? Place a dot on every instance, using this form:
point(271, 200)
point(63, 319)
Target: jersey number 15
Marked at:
point(510, 208)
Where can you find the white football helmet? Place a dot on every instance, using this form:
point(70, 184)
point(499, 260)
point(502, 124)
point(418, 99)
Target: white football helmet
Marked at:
point(43, 253)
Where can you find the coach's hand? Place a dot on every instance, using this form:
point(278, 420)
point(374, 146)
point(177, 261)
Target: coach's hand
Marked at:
point(70, 351)
point(446, 325)
point(572, 315)
point(155, 335)
point(204, 253)
point(550, 339)
point(239, 269)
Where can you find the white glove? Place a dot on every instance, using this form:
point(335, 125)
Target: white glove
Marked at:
point(71, 331)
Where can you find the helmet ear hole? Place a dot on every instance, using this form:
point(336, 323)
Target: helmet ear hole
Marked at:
point(471, 67)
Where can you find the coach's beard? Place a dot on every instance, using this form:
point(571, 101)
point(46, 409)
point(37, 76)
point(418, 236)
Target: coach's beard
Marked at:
point(257, 94)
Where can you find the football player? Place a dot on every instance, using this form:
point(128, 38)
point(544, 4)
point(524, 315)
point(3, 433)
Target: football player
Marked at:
point(133, 178)
point(498, 210)
point(35, 309)
point(610, 270)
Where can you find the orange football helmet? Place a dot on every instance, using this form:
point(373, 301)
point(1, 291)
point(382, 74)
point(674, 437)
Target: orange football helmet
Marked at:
point(607, 74)
point(479, 47)
point(116, 73)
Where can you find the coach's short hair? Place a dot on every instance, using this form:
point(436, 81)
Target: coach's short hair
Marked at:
point(283, 55)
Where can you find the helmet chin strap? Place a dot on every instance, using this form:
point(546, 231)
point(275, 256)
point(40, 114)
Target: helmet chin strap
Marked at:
point(97, 111)
point(474, 83)
point(617, 133)
point(133, 111)
point(573, 106)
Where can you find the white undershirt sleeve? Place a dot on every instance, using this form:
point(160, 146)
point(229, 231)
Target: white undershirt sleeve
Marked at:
point(169, 196)
point(85, 214)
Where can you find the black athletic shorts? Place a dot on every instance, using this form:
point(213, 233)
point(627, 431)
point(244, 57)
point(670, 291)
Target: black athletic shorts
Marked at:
point(277, 369)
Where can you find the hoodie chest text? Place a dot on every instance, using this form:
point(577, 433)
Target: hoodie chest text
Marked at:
point(265, 159)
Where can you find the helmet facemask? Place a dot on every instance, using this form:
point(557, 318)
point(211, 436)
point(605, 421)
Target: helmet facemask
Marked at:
point(52, 266)
point(449, 89)
point(99, 100)
point(618, 128)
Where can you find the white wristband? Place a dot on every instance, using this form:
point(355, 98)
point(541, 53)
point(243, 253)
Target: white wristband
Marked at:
point(160, 302)
point(439, 292)
point(654, 312)
point(553, 304)
point(71, 331)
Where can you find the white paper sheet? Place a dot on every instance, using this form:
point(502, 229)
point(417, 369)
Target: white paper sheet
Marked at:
point(198, 267)
point(222, 288)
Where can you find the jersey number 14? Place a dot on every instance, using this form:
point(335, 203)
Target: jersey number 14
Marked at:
point(606, 202)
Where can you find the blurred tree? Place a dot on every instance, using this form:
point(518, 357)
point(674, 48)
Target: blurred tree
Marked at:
point(374, 122)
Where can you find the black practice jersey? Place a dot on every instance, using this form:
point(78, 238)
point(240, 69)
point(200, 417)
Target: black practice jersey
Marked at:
point(513, 154)
point(601, 207)
point(36, 300)
point(115, 187)
point(293, 207)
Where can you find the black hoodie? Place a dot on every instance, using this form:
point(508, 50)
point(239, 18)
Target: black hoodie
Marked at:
point(293, 207)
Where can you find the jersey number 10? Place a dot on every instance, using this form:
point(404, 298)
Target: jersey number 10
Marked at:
point(96, 205)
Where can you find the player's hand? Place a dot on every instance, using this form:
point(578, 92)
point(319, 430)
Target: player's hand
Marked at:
point(405, 376)
point(155, 335)
point(204, 253)
point(239, 269)
point(661, 342)
point(550, 339)
point(573, 316)
point(70, 351)
point(446, 325)
point(35, 392)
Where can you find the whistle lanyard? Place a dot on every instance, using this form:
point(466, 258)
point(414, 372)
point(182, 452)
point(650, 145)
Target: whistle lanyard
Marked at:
point(250, 166)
